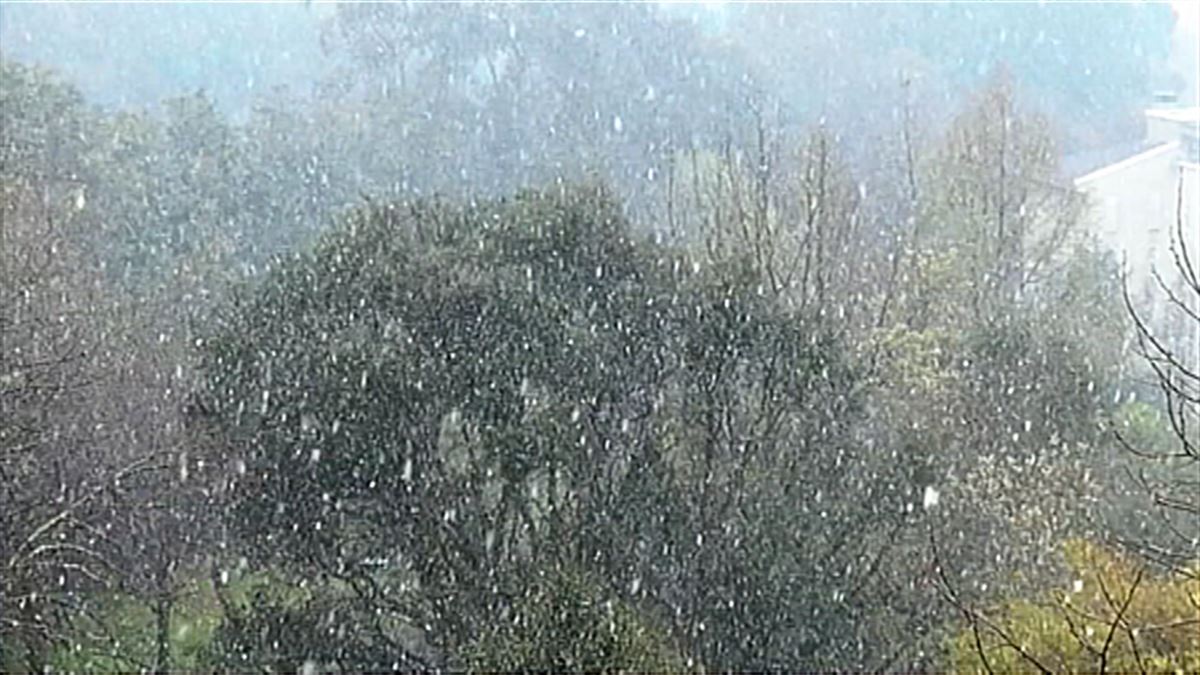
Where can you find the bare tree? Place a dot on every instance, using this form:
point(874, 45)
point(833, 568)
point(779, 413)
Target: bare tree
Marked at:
point(54, 486)
point(996, 196)
point(93, 477)
point(1173, 357)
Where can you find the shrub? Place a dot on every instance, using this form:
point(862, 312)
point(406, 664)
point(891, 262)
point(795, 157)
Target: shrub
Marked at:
point(1115, 615)
point(565, 622)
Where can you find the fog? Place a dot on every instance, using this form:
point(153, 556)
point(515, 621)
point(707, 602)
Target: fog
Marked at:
point(569, 337)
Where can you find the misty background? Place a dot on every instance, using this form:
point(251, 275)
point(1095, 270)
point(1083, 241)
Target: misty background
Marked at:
point(428, 99)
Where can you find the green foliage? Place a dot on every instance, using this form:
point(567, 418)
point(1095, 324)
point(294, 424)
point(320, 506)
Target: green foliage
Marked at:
point(46, 125)
point(564, 622)
point(272, 624)
point(262, 621)
point(642, 66)
point(461, 388)
point(1144, 428)
point(116, 631)
point(1115, 614)
point(999, 369)
point(177, 201)
point(506, 433)
point(273, 632)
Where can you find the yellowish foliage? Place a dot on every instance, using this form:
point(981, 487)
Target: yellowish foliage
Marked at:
point(1114, 616)
point(918, 360)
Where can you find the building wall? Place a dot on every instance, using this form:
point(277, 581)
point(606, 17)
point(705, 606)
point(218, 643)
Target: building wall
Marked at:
point(1161, 129)
point(1131, 211)
point(1142, 209)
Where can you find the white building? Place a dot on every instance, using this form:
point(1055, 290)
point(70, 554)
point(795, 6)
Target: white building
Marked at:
point(1140, 204)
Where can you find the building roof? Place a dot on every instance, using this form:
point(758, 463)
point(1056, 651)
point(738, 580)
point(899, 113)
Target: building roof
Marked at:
point(1181, 115)
point(1155, 151)
point(1079, 164)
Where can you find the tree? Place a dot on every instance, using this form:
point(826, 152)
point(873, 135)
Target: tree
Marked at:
point(996, 362)
point(45, 469)
point(1115, 616)
point(563, 622)
point(1072, 362)
point(998, 200)
point(537, 430)
point(466, 392)
point(1169, 355)
point(55, 490)
point(603, 90)
point(401, 381)
point(90, 441)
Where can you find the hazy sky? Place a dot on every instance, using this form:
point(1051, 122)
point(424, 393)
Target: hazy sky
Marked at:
point(131, 56)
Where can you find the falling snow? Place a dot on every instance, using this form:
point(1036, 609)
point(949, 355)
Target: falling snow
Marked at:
point(642, 337)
